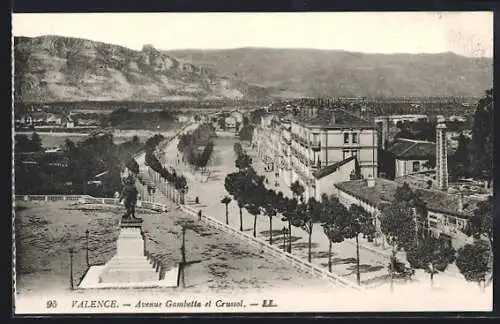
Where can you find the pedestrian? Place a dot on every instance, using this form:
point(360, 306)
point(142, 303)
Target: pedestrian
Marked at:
point(199, 215)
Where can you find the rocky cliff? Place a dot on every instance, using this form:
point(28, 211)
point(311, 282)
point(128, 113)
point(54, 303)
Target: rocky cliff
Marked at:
point(53, 68)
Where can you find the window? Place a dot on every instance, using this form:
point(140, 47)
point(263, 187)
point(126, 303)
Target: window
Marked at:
point(354, 153)
point(346, 138)
point(355, 138)
point(416, 166)
point(345, 154)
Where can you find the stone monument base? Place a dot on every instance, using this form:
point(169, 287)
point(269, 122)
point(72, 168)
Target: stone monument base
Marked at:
point(130, 267)
point(91, 280)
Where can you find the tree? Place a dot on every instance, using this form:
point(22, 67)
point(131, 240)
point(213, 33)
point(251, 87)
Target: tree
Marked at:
point(332, 212)
point(482, 139)
point(473, 262)
point(253, 209)
point(181, 187)
point(235, 183)
point(297, 189)
point(311, 213)
point(431, 254)
point(405, 195)
point(226, 200)
point(270, 208)
point(243, 161)
point(222, 123)
point(22, 144)
point(480, 226)
point(36, 142)
point(460, 163)
point(359, 221)
point(397, 224)
point(246, 133)
point(132, 165)
point(289, 215)
point(241, 204)
point(238, 150)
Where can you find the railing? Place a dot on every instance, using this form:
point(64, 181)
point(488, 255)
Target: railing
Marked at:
point(274, 251)
point(90, 200)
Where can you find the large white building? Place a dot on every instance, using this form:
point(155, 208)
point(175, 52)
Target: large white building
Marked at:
point(318, 148)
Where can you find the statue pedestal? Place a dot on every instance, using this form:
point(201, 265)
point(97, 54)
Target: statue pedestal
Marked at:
point(130, 267)
point(129, 264)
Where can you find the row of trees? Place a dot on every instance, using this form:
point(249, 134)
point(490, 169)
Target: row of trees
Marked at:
point(249, 191)
point(74, 169)
point(246, 131)
point(176, 184)
point(189, 143)
point(24, 143)
point(403, 223)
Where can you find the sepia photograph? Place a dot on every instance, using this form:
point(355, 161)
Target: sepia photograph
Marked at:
point(252, 162)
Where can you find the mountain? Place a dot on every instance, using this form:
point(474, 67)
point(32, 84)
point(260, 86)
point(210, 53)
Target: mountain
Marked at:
point(309, 72)
point(54, 68)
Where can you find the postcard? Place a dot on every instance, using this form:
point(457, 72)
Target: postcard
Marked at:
point(252, 162)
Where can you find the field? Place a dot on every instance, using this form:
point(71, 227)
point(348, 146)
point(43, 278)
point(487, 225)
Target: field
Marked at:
point(216, 261)
point(120, 136)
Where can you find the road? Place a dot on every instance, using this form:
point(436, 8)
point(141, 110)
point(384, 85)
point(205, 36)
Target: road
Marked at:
point(212, 191)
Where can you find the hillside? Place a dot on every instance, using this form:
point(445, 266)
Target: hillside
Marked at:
point(309, 72)
point(54, 68)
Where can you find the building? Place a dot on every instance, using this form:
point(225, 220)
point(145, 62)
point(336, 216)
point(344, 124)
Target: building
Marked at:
point(448, 214)
point(395, 119)
point(318, 148)
point(52, 119)
point(410, 156)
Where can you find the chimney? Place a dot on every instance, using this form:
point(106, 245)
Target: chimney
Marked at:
point(441, 155)
point(370, 181)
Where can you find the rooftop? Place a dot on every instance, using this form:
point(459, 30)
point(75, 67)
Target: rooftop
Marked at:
point(383, 193)
point(406, 149)
point(323, 172)
point(343, 119)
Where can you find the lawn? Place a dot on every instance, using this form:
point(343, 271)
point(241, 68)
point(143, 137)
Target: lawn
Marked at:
point(216, 262)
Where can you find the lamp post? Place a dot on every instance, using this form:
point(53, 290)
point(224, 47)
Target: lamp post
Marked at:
point(71, 252)
point(183, 248)
point(87, 236)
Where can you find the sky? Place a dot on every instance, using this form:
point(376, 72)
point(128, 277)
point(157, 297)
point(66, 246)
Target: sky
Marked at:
point(464, 33)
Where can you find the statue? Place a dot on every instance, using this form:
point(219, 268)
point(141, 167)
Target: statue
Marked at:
point(129, 196)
